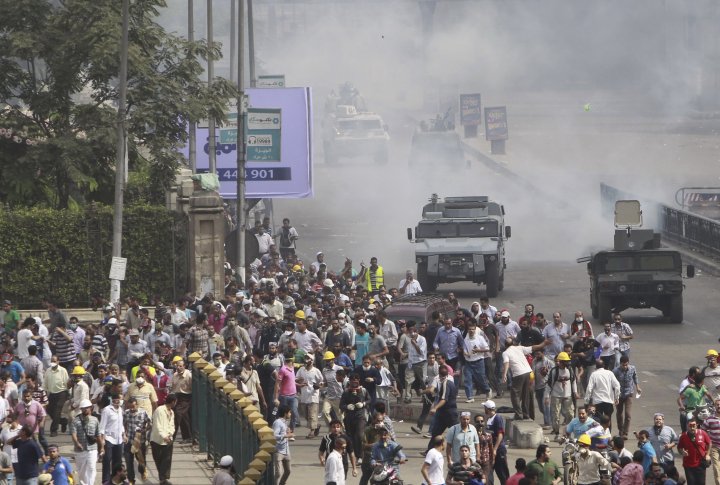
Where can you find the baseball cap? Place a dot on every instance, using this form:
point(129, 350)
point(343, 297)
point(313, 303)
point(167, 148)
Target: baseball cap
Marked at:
point(505, 314)
point(134, 332)
point(489, 404)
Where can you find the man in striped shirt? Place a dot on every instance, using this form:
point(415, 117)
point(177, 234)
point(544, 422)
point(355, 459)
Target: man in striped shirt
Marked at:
point(62, 344)
point(712, 427)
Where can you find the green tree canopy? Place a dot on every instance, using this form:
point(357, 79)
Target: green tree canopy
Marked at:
point(59, 62)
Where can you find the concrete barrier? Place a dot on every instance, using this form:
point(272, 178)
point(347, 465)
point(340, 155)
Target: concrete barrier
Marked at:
point(525, 434)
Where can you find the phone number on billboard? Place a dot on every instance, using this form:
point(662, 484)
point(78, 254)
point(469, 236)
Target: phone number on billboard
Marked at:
point(281, 173)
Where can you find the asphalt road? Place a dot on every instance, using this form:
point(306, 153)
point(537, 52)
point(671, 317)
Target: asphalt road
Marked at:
point(361, 210)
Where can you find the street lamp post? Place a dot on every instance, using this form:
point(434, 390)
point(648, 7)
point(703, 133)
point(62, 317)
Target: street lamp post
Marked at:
point(191, 126)
point(241, 154)
point(120, 151)
point(211, 74)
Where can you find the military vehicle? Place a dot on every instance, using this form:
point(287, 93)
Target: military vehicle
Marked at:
point(461, 239)
point(348, 133)
point(436, 142)
point(637, 272)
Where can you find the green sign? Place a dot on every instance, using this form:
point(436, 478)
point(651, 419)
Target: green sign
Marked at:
point(262, 134)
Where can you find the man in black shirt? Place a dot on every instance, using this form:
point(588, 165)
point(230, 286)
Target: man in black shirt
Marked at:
point(327, 445)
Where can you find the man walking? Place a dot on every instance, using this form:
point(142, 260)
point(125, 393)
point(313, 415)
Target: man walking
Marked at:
point(161, 438)
point(85, 434)
point(113, 435)
point(603, 390)
point(629, 385)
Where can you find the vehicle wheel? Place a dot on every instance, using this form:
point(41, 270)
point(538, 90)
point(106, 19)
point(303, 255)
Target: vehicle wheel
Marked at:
point(570, 474)
point(492, 280)
point(382, 157)
point(604, 308)
point(425, 281)
point(676, 309)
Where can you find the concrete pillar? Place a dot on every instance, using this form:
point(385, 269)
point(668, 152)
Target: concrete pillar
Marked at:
point(206, 243)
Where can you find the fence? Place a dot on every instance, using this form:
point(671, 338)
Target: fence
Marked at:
point(682, 227)
point(225, 422)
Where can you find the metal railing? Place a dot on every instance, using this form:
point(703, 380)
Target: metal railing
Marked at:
point(690, 230)
point(225, 422)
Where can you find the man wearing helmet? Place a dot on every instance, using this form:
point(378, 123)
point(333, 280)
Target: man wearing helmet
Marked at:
point(712, 373)
point(562, 383)
point(87, 441)
point(79, 392)
point(589, 462)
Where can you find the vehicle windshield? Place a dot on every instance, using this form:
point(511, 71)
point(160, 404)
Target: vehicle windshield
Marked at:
point(457, 229)
point(350, 125)
point(609, 263)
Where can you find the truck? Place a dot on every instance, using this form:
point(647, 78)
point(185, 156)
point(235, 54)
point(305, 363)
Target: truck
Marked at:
point(435, 141)
point(637, 272)
point(461, 239)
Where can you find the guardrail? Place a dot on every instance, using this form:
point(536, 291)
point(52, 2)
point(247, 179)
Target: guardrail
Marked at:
point(225, 422)
point(682, 227)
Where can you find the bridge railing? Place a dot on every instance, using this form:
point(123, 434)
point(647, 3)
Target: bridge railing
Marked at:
point(225, 422)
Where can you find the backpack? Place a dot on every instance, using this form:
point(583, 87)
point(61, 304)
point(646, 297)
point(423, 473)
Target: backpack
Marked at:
point(553, 377)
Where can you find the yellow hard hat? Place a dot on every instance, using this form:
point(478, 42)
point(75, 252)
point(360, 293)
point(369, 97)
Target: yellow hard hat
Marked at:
point(300, 315)
point(584, 439)
point(563, 356)
point(78, 370)
point(297, 267)
point(328, 356)
point(177, 358)
point(711, 353)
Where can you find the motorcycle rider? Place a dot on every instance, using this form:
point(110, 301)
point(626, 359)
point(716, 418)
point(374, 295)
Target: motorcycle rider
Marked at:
point(589, 462)
point(387, 452)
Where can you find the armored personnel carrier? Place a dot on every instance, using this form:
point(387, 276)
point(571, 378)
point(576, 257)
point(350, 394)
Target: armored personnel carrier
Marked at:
point(461, 239)
point(637, 272)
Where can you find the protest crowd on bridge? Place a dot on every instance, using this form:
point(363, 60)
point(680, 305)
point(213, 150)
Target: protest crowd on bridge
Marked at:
point(314, 349)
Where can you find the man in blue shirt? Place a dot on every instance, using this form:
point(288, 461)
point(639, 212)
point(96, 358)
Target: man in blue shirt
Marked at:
point(386, 452)
point(449, 341)
point(579, 426)
point(57, 466)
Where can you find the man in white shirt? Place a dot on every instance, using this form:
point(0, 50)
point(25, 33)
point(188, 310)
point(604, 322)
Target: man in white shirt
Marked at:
point(334, 471)
point(520, 393)
point(409, 285)
point(416, 375)
point(603, 390)
point(112, 431)
point(610, 344)
point(476, 347)
point(433, 467)
point(557, 333)
point(309, 379)
point(264, 240)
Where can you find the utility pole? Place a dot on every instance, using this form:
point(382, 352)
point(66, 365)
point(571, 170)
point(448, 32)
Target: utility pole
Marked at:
point(211, 74)
point(251, 43)
point(233, 40)
point(241, 154)
point(120, 151)
point(191, 126)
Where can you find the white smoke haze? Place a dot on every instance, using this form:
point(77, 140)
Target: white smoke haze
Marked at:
point(596, 92)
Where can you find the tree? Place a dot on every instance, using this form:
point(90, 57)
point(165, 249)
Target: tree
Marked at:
point(59, 61)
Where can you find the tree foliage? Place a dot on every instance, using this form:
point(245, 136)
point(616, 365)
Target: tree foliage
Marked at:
point(67, 253)
point(59, 62)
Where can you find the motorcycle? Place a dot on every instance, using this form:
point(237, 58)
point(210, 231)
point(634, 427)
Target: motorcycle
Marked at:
point(387, 473)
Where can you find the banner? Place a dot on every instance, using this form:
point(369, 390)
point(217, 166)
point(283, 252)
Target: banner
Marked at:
point(277, 166)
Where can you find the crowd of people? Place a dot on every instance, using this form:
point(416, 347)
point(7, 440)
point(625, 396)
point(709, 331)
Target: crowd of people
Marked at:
point(313, 346)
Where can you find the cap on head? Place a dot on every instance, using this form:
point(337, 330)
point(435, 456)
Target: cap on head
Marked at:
point(711, 353)
point(297, 267)
point(134, 333)
point(226, 461)
point(563, 356)
point(177, 358)
point(489, 404)
point(328, 356)
point(85, 403)
point(300, 315)
point(112, 321)
point(505, 314)
point(328, 283)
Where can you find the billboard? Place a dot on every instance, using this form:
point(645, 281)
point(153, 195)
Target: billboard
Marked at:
point(277, 166)
point(470, 112)
point(496, 127)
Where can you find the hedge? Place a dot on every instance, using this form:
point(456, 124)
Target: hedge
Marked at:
point(66, 254)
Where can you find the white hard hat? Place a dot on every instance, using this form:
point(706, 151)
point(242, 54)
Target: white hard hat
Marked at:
point(85, 403)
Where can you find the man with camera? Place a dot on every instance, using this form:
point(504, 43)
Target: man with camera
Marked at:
point(85, 434)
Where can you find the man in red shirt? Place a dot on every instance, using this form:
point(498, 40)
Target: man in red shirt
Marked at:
point(694, 444)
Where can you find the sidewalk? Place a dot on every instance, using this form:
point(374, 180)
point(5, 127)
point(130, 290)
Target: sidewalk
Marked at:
point(188, 467)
